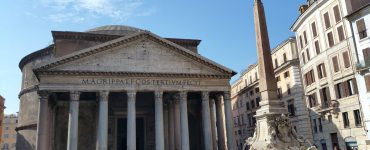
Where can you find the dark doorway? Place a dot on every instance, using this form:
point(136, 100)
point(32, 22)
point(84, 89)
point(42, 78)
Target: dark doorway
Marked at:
point(122, 134)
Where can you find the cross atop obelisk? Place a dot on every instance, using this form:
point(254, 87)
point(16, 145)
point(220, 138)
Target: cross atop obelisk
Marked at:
point(270, 103)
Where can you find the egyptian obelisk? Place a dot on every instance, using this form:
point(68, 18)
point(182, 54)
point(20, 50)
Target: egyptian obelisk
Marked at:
point(273, 129)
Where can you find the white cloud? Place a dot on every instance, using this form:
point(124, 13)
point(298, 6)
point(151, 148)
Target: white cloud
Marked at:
point(81, 10)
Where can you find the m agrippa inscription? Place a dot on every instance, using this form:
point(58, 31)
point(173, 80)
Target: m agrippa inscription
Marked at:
point(139, 81)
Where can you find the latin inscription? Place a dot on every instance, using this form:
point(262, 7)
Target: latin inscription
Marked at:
point(156, 82)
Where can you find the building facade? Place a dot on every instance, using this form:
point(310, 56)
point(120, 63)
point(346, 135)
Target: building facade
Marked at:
point(246, 97)
point(2, 107)
point(359, 18)
point(327, 61)
point(9, 136)
point(119, 87)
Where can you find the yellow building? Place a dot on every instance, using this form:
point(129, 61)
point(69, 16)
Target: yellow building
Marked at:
point(9, 136)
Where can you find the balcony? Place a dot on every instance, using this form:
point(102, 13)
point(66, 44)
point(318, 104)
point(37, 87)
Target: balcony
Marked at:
point(331, 107)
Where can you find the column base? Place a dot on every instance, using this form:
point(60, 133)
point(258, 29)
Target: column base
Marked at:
point(275, 132)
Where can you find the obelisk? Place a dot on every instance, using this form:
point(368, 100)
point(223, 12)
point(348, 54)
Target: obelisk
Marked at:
point(273, 129)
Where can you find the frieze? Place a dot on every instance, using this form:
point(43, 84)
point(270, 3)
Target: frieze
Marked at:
point(140, 81)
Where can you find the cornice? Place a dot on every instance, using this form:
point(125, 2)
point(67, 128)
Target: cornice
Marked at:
point(293, 62)
point(28, 126)
point(132, 74)
point(42, 52)
point(123, 40)
point(28, 90)
point(83, 36)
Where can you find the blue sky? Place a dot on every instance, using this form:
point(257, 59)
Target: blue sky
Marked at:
point(225, 28)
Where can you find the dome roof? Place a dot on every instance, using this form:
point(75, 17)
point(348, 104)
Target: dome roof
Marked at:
point(114, 30)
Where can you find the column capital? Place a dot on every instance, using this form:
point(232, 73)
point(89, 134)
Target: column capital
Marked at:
point(183, 95)
point(43, 95)
point(74, 95)
point(103, 95)
point(205, 96)
point(158, 95)
point(226, 96)
point(131, 95)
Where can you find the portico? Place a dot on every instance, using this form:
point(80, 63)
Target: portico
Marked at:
point(135, 92)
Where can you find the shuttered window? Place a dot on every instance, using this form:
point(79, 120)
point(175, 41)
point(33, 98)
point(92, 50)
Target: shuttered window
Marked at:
point(335, 64)
point(300, 41)
point(284, 57)
point(276, 63)
point(340, 33)
point(330, 39)
point(313, 28)
point(317, 47)
point(366, 53)
point(303, 58)
point(325, 97)
point(361, 28)
point(327, 20)
point(308, 54)
point(305, 37)
point(321, 71)
point(346, 59)
point(337, 13)
point(367, 82)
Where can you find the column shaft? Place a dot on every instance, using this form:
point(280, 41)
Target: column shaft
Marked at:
point(102, 135)
point(220, 124)
point(42, 138)
point(177, 124)
point(72, 143)
point(229, 121)
point(159, 133)
point(213, 123)
point(184, 121)
point(131, 121)
point(207, 132)
point(171, 121)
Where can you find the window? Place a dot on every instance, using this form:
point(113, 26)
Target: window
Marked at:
point(305, 37)
point(351, 87)
point(276, 63)
point(320, 124)
point(313, 27)
point(356, 114)
point(330, 39)
point(308, 54)
point(336, 13)
point(6, 136)
point(367, 82)
point(340, 33)
point(339, 90)
point(361, 28)
point(279, 93)
point(309, 77)
point(335, 64)
point(256, 75)
point(288, 89)
point(284, 57)
point(327, 20)
point(330, 118)
point(321, 71)
point(247, 104)
point(252, 103)
point(249, 119)
point(314, 126)
point(258, 101)
point(325, 97)
point(291, 109)
point(312, 100)
point(277, 78)
point(345, 119)
point(317, 47)
point(6, 128)
point(323, 144)
point(366, 53)
point(257, 90)
point(300, 41)
point(346, 59)
point(303, 58)
point(334, 141)
point(251, 93)
point(286, 74)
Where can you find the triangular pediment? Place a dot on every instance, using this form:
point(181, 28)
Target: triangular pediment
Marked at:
point(140, 52)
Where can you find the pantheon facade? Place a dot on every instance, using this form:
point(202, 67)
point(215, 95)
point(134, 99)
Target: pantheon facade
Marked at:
point(120, 87)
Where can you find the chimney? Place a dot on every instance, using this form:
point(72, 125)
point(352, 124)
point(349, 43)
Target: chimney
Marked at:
point(303, 8)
